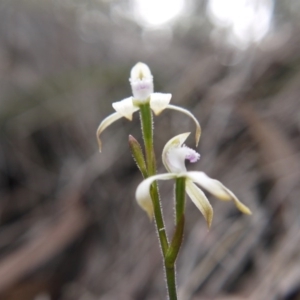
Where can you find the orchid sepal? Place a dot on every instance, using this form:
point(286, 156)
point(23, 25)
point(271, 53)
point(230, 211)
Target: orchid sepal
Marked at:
point(200, 200)
point(104, 124)
point(187, 112)
point(217, 189)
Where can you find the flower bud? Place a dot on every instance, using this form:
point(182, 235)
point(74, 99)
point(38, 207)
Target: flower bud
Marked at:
point(137, 154)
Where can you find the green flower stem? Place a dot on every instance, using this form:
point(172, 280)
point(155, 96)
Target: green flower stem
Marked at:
point(172, 253)
point(147, 129)
point(176, 242)
point(171, 282)
point(180, 198)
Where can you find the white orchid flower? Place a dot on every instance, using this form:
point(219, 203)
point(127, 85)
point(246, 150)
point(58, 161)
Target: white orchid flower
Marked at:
point(174, 155)
point(141, 81)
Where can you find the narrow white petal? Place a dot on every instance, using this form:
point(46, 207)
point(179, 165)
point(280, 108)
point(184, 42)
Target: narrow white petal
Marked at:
point(104, 124)
point(142, 193)
point(216, 188)
point(200, 200)
point(242, 207)
point(159, 102)
point(185, 111)
point(211, 185)
point(176, 142)
point(125, 108)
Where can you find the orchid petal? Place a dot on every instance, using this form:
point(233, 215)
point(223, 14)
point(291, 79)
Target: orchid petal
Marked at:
point(200, 200)
point(143, 196)
point(185, 111)
point(125, 108)
point(175, 142)
point(216, 188)
point(159, 101)
point(104, 124)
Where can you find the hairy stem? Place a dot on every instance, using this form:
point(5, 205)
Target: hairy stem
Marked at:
point(147, 129)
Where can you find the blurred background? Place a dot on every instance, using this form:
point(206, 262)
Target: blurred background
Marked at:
point(70, 228)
